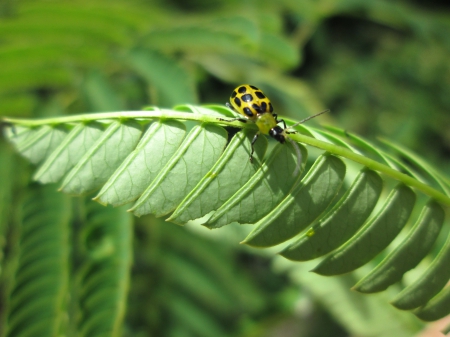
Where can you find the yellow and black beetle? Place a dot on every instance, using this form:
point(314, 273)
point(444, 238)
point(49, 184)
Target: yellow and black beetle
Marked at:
point(250, 102)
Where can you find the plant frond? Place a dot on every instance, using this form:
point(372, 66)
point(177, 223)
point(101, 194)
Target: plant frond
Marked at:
point(348, 206)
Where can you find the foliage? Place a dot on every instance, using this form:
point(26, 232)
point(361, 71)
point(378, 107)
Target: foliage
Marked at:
point(381, 67)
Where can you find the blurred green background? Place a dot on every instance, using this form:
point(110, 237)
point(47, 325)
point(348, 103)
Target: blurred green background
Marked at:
point(382, 67)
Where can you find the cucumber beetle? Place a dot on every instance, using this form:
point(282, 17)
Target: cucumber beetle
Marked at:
point(250, 102)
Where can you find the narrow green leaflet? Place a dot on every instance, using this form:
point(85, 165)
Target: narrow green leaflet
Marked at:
point(232, 170)
point(427, 170)
point(17, 134)
point(320, 134)
point(341, 222)
point(376, 234)
point(264, 190)
point(193, 159)
point(39, 293)
point(302, 206)
point(104, 272)
point(41, 143)
point(68, 153)
point(135, 174)
point(369, 149)
point(437, 308)
point(103, 158)
point(429, 284)
point(408, 254)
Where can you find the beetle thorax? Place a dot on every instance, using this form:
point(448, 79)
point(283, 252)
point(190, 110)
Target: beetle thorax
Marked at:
point(265, 122)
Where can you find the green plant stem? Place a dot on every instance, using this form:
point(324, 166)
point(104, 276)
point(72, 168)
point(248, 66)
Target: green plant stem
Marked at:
point(170, 114)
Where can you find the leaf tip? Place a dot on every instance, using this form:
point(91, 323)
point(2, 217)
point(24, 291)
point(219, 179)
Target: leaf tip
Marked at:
point(97, 199)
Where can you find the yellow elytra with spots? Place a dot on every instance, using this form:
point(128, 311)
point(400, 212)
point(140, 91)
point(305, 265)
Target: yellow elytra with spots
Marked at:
point(250, 102)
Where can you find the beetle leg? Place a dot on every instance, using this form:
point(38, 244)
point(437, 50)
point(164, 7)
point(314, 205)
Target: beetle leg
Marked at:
point(242, 120)
point(255, 138)
point(279, 120)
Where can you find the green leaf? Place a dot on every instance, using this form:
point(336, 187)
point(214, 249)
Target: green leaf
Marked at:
point(193, 159)
point(429, 284)
point(196, 178)
point(375, 235)
point(302, 205)
point(68, 153)
point(138, 170)
point(37, 305)
point(408, 253)
point(104, 272)
point(352, 209)
point(38, 145)
point(103, 158)
point(222, 180)
point(436, 308)
point(263, 191)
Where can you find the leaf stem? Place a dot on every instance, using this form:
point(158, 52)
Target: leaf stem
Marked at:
point(374, 165)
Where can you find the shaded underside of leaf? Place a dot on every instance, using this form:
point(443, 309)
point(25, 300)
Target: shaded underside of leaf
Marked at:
point(232, 170)
point(375, 235)
point(435, 309)
point(342, 221)
point(302, 205)
point(429, 284)
point(263, 191)
point(408, 253)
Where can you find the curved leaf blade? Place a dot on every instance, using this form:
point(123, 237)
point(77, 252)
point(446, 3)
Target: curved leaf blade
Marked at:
point(263, 191)
point(103, 158)
point(41, 281)
point(302, 206)
point(407, 254)
point(104, 273)
point(41, 143)
point(68, 153)
point(141, 166)
point(194, 158)
point(342, 222)
point(232, 170)
point(375, 235)
point(429, 284)
point(437, 308)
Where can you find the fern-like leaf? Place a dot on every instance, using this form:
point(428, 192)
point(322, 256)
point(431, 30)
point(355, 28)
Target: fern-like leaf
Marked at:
point(147, 157)
point(38, 304)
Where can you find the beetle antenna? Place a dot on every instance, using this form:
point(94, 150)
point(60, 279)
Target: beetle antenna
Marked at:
point(299, 156)
point(308, 118)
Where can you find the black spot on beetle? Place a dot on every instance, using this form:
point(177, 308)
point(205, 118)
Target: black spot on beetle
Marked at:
point(253, 87)
point(237, 101)
point(257, 108)
point(248, 112)
point(242, 90)
point(247, 98)
point(263, 107)
point(233, 94)
point(260, 94)
point(270, 107)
